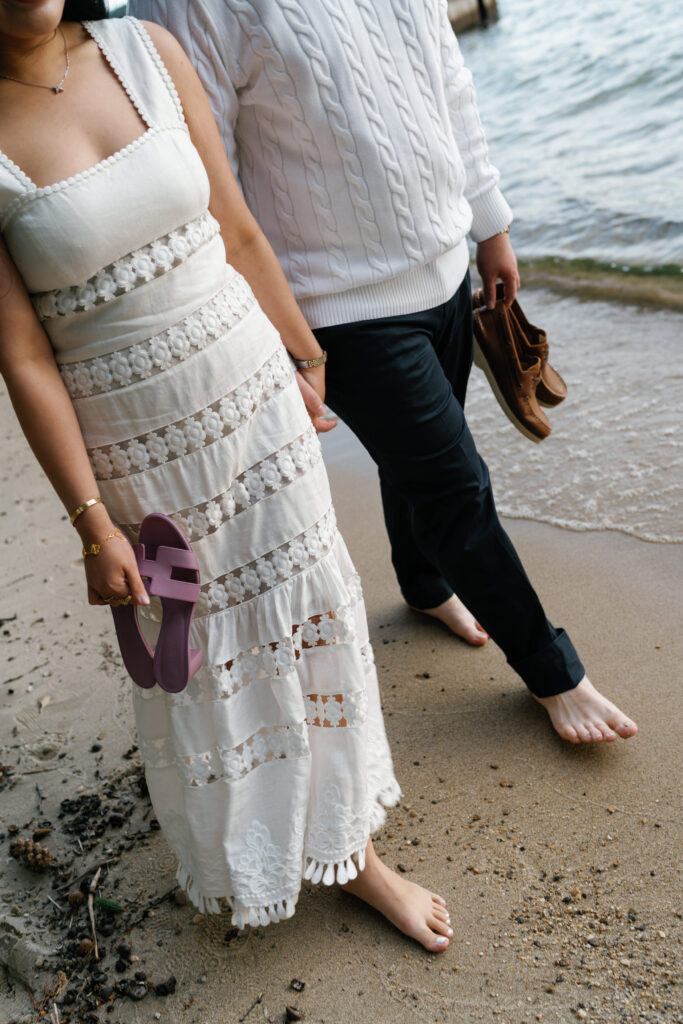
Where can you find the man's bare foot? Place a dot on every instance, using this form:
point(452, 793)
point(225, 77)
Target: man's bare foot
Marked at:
point(583, 715)
point(458, 619)
point(415, 911)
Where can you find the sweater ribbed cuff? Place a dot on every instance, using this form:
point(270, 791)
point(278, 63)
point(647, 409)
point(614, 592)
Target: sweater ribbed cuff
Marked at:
point(490, 215)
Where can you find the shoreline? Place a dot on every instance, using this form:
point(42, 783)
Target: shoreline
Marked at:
point(587, 281)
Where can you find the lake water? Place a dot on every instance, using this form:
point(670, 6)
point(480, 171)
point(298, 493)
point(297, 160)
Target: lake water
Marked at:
point(583, 107)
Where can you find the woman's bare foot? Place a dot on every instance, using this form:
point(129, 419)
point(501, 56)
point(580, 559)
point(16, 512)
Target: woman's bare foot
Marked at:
point(458, 619)
point(583, 715)
point(415, 911)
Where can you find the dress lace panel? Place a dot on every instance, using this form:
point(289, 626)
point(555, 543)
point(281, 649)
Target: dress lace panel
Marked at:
point(271, 661)
point(270, 743)
point(270, 570)
point(194, 432)
point(260, 481)
point(130, 271)
point(138, 362)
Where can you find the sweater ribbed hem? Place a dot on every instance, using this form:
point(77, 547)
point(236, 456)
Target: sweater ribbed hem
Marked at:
point(423, 288)
point(490, 215)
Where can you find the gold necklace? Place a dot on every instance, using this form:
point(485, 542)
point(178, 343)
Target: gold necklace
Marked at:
point(59, 87)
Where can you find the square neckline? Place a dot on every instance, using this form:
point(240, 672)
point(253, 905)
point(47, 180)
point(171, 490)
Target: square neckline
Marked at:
point(151, 128)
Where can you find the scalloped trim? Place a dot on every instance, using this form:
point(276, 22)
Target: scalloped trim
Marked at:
point(93, 31)
point(159, 64)
point(15, 170)
point(34, 191)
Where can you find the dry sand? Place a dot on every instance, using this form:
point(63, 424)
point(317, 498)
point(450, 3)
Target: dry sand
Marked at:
point(559, 863)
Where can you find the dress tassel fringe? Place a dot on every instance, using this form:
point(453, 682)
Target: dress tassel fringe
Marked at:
point(341, 872)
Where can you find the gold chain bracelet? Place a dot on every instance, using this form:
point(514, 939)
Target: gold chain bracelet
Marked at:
point(95, 549)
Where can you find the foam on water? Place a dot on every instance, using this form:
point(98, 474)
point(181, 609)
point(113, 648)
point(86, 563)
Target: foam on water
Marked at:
point(614, 459)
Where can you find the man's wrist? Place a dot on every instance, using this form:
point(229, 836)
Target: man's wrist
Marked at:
point(503, 231)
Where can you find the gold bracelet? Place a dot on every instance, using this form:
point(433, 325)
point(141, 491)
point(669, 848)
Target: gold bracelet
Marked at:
point(81, 508)
point(310, 364)
point(95, 549)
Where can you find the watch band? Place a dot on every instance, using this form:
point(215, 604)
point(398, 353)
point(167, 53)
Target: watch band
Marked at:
point(310, 364)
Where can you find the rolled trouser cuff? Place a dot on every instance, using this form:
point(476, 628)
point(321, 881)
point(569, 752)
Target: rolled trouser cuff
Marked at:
point(555, 669)
point(426, 593)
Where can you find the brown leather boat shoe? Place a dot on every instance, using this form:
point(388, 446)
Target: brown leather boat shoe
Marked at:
point(551, 389)
point(513, 373)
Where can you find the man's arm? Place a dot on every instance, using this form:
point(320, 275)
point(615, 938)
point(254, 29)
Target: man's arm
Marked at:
point(490, 210)
point(491, 215)
point(203, 29)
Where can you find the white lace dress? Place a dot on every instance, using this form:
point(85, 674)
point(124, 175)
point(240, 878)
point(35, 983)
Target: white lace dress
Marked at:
point(273, 764)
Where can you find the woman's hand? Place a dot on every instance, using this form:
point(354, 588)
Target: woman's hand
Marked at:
point(496, 260)
point(112, 575)
point(312, 387)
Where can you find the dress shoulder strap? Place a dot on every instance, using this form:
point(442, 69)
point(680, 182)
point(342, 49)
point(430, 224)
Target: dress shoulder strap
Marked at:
point(13, 183)
point(135, 60)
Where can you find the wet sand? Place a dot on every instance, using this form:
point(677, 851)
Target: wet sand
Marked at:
point(559, 863)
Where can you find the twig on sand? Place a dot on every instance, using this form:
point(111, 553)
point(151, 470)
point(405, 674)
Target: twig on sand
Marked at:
point(258, 999)
point(79, 878)
point(60, 909)
point(91, 911)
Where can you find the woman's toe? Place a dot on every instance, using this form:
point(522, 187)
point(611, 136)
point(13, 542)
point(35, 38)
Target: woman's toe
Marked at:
point(439, 926)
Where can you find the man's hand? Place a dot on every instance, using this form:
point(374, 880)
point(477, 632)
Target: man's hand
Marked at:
point(312, 387)
point(496, 259)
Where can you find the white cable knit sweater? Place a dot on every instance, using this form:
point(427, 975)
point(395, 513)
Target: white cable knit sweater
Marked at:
point(353, 129)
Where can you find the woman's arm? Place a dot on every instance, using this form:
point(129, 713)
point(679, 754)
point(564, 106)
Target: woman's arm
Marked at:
point(247, 248)
point(49, 422)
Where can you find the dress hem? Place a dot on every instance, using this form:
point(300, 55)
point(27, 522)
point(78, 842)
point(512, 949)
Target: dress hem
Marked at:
point(316, 871)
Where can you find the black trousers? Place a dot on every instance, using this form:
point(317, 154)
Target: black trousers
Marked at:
point(399, 383)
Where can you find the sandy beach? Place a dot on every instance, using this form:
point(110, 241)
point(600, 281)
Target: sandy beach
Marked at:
point(559, 863)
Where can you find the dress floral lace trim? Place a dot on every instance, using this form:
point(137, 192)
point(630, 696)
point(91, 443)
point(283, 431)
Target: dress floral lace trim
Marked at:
point(195, 432)
point(252, 486)
point(270, 570)
point(138, 362)
point(336, 710)
point(129, 271)
point(271, 661)
point(270, 743)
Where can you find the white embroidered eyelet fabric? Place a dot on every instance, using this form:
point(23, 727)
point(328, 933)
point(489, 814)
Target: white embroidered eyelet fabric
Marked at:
point(260, 481)
point(193, 333)
point(129, 272)
point(266, 572)
point(272, 764)
point(193, 432)
point(330, 836)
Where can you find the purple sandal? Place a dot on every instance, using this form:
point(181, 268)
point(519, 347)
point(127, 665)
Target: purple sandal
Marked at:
point(138, 656)
point(170, 571)
point(169, 567)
